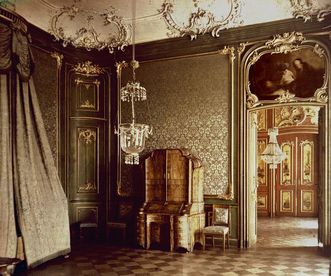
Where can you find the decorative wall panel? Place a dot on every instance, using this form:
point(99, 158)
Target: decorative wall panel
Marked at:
point(45, 78)
point(307, 157)
point(87, 164)
point(286, 167)
point(188, 105)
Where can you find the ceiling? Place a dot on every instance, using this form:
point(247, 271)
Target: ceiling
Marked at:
point(155, 19)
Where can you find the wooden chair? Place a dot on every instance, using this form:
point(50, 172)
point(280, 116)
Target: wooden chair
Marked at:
point(220, 228)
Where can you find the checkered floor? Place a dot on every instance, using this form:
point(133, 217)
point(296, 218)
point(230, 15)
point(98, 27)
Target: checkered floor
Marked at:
point(267, 258)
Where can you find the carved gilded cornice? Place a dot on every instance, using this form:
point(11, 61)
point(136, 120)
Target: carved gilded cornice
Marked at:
point(201, 21)
point(87, 68)
point(307, 10)
point(112, 32)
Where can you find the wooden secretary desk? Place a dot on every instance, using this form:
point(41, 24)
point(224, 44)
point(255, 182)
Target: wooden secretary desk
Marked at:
point(172, 215)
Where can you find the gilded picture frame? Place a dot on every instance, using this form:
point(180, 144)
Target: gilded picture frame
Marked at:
point(288, 68)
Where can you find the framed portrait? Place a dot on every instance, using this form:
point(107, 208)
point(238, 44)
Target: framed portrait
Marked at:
point(307, 200)
point(286, 201)
point(288, 68)
point(262, 201)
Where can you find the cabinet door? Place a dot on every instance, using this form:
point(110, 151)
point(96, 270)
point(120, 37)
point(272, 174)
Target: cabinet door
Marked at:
point(177, 176)
point(308, 176)
point(155, 176)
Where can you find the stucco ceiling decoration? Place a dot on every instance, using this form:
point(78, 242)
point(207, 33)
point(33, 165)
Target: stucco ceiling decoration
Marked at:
point(308, 9)
point(107, 23)
point(90, 29)
point(203, 17)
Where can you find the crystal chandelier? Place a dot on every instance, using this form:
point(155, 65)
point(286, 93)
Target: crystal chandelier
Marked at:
point(272, 154)
point(132, 135)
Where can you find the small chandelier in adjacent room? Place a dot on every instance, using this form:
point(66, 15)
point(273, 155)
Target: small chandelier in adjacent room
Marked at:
point(132, 135)
point(272, 154)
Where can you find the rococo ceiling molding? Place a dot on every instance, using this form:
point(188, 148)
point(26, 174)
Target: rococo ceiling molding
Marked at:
point(112, 34)
point(201, 21)
point(306, 9)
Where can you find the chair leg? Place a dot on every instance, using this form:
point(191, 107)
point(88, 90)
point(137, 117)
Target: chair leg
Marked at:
point(223, 242)
point(203, 241)
point(228, 239)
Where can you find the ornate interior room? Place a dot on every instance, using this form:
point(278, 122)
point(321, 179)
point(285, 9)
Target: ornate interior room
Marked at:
point(165, 137)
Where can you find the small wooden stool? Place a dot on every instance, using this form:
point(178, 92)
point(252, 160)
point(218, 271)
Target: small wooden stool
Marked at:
point(88, 225)
point(121, 226)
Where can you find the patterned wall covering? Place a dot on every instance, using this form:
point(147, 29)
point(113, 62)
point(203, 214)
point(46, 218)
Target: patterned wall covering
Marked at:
point(189, 107)
point(45, 79)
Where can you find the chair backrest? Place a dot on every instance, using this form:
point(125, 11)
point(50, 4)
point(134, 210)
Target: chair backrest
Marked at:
point(221, 215)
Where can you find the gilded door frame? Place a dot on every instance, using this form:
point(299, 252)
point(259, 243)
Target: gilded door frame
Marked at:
point(248, 102)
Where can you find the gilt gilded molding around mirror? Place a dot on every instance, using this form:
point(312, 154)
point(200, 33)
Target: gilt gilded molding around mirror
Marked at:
point(308, 9)
point(87, 68)
point(59, 58)
point(288, 55)
point(112, 32)
point(200, 21)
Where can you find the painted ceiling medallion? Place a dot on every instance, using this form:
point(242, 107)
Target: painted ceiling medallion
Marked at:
point(307, 9)
point(201, 20)
point(89, 29)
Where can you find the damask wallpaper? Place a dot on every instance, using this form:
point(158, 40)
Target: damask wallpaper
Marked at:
point(188, 105)
point(45, 79)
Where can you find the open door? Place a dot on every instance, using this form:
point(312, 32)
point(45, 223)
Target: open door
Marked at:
point(252, 177)
point(324, 194)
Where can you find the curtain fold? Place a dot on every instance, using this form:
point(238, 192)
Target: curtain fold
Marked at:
point(31, 195)
point(40, 200)
point(8, 236)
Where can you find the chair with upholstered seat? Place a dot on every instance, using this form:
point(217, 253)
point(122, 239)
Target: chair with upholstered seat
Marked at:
point(220, 228)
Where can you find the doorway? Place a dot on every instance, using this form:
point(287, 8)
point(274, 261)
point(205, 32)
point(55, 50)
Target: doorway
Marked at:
point(293, 200)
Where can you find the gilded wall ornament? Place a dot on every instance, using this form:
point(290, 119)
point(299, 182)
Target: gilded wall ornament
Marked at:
point(285, 43)
point(88, 135)
point(289, 116)
point(59, 58)
point(228, 51)
point(87, 68)
point(201, 21)
point(112, 34)
point(307, 9)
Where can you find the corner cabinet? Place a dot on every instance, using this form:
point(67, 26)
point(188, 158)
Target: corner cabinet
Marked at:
point(172, 216)
point(87, 109)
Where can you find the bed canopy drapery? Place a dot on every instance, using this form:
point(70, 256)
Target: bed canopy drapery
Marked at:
point(32, 202)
